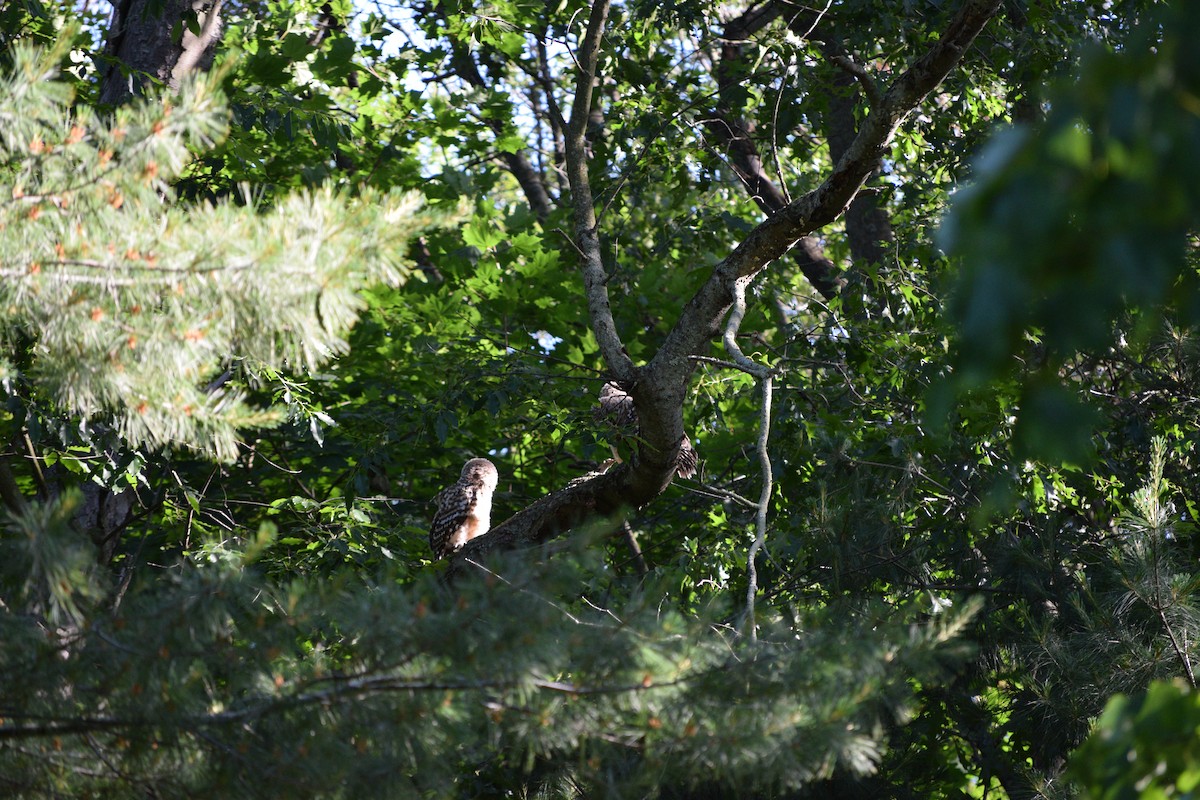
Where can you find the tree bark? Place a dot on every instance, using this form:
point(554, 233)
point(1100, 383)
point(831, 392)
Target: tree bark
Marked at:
point(868, 229)
point(157, 43)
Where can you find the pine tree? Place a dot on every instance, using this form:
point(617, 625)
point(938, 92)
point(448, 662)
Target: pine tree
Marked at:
point(122, 304)
point(1134, 620)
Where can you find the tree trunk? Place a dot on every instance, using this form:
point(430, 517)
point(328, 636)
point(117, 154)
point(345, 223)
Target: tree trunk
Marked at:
point(868, 229)
point(157, 43)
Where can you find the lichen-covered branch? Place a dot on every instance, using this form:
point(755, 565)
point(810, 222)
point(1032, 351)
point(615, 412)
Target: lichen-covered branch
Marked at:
point(587, 237)
point(765, 378)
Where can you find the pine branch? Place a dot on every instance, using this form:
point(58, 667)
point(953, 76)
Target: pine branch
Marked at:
point(135, 300)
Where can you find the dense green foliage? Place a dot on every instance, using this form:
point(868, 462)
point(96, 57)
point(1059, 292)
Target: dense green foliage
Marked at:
point(251, 327)
point(1144, 747)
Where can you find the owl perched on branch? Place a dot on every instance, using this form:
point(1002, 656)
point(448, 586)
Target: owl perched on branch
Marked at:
point(464, 509)
point(616, 405)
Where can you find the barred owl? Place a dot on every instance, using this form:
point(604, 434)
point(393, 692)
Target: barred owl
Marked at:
point(464, 510)
point(616, 405)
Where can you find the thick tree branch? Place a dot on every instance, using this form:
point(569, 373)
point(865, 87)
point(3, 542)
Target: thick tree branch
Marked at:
point(587, 237)
point(667, 374)
point(194, 46)
point(860, 74)
point(868, 229)
point(597, 496)
point(660, 388)
point(826, 203)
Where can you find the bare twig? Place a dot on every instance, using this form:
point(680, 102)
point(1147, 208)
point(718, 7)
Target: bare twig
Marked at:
point(36, 461)
point(815, 21)
point(764, 375)
point(639, 560)
point(523, 590)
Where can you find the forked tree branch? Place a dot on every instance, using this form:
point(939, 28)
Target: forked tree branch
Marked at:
point(671, 366)
point(660, 387)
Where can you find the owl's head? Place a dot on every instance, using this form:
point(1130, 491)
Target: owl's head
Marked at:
point(481, 471)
